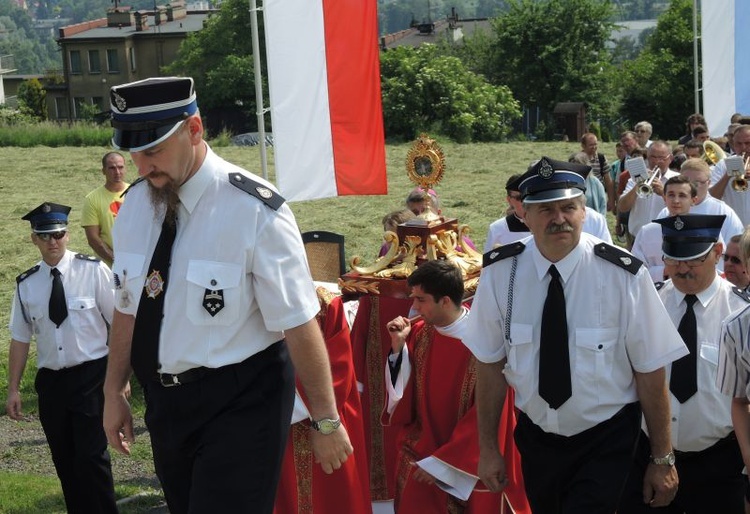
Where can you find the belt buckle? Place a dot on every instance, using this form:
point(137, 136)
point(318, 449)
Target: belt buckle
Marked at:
point(169, 380)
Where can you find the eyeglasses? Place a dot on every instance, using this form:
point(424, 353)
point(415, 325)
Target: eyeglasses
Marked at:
point(49, 235)
point(692, 263)
point(732, 259)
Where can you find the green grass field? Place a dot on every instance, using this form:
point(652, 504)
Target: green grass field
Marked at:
point(472, 190)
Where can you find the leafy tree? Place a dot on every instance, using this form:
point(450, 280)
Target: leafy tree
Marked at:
point(546, 62)
point(32, 99)
point(220, 60)
point(424, 90)
point(658, 85)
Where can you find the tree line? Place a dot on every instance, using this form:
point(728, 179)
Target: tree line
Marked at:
point(535, 54)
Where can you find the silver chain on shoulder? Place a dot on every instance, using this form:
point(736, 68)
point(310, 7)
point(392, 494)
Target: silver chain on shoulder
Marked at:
point(509, 309)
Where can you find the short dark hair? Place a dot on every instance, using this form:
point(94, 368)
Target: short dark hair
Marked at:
point(681, 179)
point(699, 129)
point(694, 143)
point(439, 278)
point(107, 155)
point(512, 183)
point(696, 119)
point(398, 217)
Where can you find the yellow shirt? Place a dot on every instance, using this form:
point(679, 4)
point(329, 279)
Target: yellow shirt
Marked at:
point(100, 208)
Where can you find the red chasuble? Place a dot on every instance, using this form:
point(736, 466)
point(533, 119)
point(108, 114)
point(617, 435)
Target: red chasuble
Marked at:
point(437, 418)
point(304, 488)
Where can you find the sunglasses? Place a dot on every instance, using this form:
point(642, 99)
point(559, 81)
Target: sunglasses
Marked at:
point(51, 235)
point(732, 259)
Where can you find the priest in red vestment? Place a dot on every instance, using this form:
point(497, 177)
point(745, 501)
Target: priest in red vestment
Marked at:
point(430, 378)
point(304, 488)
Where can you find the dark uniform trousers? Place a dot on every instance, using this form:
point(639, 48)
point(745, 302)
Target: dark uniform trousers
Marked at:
point(711, 480)
point(71, 403)
point(583, 473)
point(218, 442)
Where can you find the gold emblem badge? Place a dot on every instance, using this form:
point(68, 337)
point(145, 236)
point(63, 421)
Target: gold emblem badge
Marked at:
point(154, 284)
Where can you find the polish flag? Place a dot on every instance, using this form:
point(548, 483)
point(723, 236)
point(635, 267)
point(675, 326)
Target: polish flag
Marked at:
point(726, 61)
point(324, 83)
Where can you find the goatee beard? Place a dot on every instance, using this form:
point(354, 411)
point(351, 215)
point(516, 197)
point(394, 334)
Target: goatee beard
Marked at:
point(165, 197)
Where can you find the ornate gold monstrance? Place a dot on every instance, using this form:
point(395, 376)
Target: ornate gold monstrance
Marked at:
point(430, 236)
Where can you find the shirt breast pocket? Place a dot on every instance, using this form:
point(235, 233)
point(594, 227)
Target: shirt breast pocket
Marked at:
point(521, 350)
point(213, 292)
point(595, 354)
point(709, 359)
point(130, 278)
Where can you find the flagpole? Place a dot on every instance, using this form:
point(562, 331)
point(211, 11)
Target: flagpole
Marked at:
point(260, 109)
point(695, 57)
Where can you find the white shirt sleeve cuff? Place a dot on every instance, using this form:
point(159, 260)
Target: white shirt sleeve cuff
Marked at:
point(451, 480)
point(396, 392)
point(300, 411)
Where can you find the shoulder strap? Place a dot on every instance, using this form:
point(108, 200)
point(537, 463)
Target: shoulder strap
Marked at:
point(266, 195)
point(618, 257)
point(89, 258)
point(502, 252)
point(742, 293)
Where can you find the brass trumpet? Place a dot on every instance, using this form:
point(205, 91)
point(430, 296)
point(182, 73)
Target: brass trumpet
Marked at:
point(645, 189)
point(712, 152)
point(736, 168)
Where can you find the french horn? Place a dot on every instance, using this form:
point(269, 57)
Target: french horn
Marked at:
point(712, 152)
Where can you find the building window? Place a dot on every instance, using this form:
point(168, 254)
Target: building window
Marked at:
point(94, 65)
point(61, 106)
point(131, 51)
point(75, 61)
point(113, 65)
point(78, 105)
point(98, 101)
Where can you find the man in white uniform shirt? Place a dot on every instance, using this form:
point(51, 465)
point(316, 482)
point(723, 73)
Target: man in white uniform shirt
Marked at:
point(698, 172)
point(721, 182)
point(65, 303)
point(542, 322)
point(643, 210)
point(680, 195)
point(213, 297)
point(697, 299)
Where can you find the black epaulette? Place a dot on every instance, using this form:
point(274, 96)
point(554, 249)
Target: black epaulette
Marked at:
point(742, 293)
point(131, 186)
point(618, 257)
point(659, 285)
point(266, 195)
point(89, 258)
point(502, 252)
point(26, 274)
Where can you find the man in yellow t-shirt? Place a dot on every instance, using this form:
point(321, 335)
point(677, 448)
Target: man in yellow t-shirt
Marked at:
point(102, 204)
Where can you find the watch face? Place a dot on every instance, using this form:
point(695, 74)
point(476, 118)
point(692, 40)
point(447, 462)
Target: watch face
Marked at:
point(327, 426)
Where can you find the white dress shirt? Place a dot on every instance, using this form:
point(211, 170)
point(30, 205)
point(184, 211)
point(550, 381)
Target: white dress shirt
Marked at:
point(705, 418)
point(615, 321)
point(739, 202)
point(82, 336)
point(645, 209)
point(226, 240)
point(733, 375)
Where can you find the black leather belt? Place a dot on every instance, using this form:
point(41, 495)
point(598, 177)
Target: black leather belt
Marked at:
point(191, 375)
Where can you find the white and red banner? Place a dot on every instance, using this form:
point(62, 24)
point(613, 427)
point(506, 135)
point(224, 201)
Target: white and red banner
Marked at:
point(726, 61)
point(324, 83)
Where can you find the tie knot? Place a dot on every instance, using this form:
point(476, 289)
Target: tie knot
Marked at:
point(55, 272)
point(690, 299)
point(554, 273)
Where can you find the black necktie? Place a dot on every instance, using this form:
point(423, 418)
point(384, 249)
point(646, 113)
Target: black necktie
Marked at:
point(554, 361)
point(684, 379)
point(58, 307)
point(144, 351)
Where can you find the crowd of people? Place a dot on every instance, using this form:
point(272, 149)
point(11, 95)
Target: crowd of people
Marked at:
point(581, 377)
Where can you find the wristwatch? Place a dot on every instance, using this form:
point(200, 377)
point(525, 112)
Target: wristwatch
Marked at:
point(326, 426)
point(667, 460)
